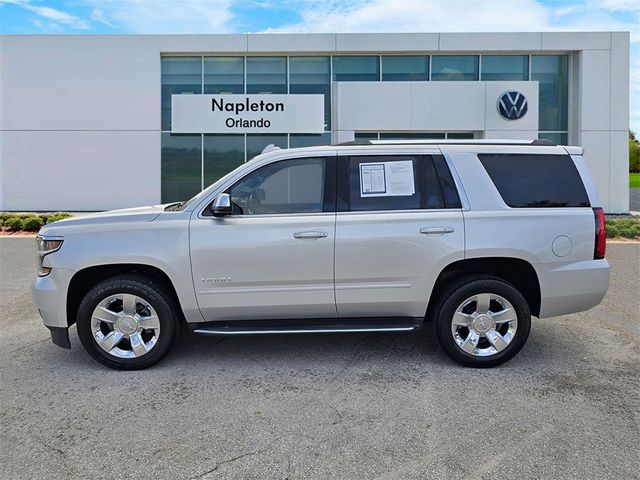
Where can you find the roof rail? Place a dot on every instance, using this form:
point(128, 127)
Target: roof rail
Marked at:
point(539, 142)
point(269, 148)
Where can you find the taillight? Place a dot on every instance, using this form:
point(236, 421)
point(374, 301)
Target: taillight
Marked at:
point(601, 234)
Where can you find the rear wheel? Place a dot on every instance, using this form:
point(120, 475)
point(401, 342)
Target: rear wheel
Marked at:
point(482, 321)
point(127, 322)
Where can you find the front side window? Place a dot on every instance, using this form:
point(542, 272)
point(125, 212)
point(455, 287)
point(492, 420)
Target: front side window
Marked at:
point(288, 186)
point(390, 182)
point(529, 180)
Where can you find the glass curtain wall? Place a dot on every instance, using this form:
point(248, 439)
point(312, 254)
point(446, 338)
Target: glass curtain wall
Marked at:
point(266, 75)
point(312, 75)
point(454, 67)
point(552, 74)
point(505, 67)
point(405, 68)
point(190, 162)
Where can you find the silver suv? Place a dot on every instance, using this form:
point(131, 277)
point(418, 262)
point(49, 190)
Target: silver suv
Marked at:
point(474, 238)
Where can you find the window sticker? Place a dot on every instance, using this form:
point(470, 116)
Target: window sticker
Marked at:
point(387, 179)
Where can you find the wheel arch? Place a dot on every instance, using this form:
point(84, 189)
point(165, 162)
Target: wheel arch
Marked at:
point(516, 271)
point(85, 279)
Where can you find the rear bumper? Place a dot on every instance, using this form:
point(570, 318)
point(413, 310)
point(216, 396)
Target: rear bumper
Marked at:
point(573, 287)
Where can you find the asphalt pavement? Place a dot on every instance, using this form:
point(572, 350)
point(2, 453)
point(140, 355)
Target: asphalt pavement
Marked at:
point(347, 406)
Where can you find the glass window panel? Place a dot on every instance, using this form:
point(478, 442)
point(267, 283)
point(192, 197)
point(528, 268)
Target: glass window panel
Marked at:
point(179, 75)
point(266, 75)
point(366, 136)
point(359, 202)
point(312, 75)
point(405, 68)
point(356, 69)
point(460, 135)
point(222, 153)
point(505, 67)
point(555, 137)
point(304, 140)
point(552, 74)
point(223, 75)
point(524, 180)
point(454, 67)
point(290, 186)
point(257, 142)
point(412, 136)
point(180, 167)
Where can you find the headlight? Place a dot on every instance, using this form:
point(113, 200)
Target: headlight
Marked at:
point(45, 246)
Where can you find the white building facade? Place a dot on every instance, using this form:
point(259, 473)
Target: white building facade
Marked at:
point(103, 122)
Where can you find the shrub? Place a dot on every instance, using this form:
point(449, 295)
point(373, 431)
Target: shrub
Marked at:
point(32, 223)
point(54, 217)
point(13, 223)
point(623, 227)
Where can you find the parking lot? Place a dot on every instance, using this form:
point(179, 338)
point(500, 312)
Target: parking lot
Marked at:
point(326, 406)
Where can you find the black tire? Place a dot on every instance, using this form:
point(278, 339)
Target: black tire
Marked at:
point(143, 287)
point(455, 294)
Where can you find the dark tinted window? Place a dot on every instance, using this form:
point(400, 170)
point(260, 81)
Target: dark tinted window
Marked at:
point(393, 183)
point(449, 190)
point(526, 180)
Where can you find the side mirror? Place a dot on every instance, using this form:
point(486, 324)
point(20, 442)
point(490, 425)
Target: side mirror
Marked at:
point(222, 205)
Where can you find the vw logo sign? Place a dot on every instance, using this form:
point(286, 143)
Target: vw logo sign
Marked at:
point(512, 105)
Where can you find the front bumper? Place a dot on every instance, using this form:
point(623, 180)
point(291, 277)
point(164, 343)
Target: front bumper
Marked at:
point(49, 293)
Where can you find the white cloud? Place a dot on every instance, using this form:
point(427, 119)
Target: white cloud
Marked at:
point(462, 15)
point(163, 16)
point(419, 16)
point(53, 15)
point(58, 16)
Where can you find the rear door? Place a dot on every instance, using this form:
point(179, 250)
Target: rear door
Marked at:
point(399, 223)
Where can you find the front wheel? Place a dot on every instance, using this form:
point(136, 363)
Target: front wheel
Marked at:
point(127, 322)
point(482, 321)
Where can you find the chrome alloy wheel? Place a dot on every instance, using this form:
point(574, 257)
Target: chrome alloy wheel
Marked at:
point(125, 325)
point(484, 324)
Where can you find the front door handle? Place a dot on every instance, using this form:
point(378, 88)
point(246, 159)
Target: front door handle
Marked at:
point(310, 235)
point(436, 230)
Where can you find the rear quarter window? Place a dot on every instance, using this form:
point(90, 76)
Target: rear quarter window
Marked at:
point(535, 180)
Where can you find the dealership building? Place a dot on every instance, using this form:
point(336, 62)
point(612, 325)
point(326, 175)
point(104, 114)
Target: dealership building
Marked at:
point(93, 122)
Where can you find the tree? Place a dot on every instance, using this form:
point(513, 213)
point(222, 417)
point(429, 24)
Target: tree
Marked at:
point(634, 153)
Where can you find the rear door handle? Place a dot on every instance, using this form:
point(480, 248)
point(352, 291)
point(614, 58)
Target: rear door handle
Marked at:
point(436, 230)
point(310, 235)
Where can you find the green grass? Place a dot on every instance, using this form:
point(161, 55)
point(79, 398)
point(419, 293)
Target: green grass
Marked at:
point(634, 180)
point(626, 227)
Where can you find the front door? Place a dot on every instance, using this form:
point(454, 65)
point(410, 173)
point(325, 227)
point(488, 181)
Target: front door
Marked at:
point(273, 257)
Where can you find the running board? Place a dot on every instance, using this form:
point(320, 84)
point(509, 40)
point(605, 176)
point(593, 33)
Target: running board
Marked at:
point(268, 327)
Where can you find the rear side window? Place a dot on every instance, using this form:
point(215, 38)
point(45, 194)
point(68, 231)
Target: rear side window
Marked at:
point(394, 182)
point(529, 180)
point(385, 183)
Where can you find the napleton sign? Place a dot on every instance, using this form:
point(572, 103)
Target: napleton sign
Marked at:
point(247, 113)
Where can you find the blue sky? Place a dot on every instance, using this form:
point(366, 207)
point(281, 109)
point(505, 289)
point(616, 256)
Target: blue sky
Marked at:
point(233, 16)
